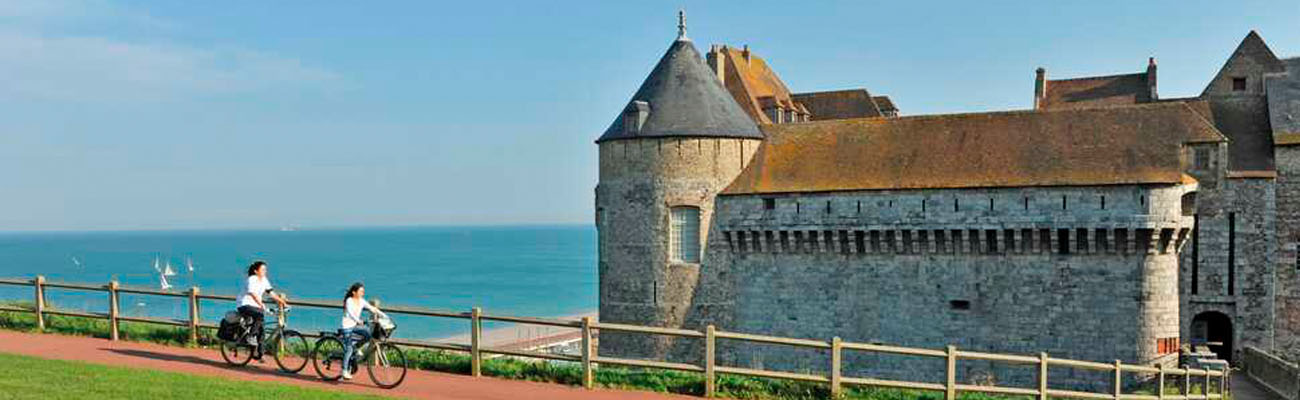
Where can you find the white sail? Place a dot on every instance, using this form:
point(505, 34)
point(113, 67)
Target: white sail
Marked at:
point(156, 267)
point(167, 271)
point(76, 262)
point(162, 279)
point(189, 264)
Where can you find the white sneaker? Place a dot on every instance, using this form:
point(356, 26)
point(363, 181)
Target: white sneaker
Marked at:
point(347, 375)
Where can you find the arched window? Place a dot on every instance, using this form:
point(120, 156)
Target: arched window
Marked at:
point(684, 234)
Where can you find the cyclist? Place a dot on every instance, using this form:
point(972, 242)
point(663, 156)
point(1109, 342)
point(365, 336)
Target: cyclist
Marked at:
point(353, 302)
point(251, 304)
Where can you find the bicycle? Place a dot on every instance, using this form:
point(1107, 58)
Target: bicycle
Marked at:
point(289, 348)
point(385, 362)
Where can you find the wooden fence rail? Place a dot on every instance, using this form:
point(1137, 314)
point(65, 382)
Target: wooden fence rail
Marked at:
point(1213, 386)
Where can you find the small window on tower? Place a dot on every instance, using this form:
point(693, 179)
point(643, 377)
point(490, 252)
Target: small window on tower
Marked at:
point(769, 204)
point(684, 234)
point(959, 304)
point(1239, 84)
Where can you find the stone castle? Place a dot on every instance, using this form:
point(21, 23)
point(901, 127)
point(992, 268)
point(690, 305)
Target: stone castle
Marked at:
point(1105, 223)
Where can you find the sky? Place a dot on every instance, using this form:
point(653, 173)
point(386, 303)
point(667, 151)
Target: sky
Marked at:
point(250, 114)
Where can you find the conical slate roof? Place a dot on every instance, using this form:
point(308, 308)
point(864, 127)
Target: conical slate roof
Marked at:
point(685, 100)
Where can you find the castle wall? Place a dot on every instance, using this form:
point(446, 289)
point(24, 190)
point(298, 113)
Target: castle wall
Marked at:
point(1287, 337)
point(1236, 219)
point(987, 270)
point(640, 180)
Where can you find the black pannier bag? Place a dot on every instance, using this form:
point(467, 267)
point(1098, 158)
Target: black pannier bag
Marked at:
point(232, 327)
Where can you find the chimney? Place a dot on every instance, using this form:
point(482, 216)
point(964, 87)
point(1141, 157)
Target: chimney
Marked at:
point(717, 60)
point(745, 53)
point(1040, 87)
point(1151, 78)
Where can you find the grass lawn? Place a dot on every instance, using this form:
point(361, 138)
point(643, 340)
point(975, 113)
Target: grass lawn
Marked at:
point(35, 378)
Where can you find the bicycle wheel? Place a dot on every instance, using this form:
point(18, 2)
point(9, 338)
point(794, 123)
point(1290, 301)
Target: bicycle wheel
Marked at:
point(236, 353)
point(327, 358)
point(387, 365)
point(291, 351)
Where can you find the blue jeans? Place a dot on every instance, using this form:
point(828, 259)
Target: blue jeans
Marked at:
point(346, 335)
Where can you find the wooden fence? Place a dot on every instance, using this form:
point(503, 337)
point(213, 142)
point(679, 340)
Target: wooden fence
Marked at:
point(1212, 388)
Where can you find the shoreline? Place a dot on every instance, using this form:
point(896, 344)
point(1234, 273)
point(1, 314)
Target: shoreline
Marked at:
point(519, 333)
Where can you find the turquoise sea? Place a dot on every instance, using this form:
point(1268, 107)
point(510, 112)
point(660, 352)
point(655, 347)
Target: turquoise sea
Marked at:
point(520, 270)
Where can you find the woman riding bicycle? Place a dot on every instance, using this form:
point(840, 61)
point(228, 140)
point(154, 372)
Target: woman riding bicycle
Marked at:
point(353, 302)
point(250, 302)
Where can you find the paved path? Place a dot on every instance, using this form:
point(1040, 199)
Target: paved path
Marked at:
point(418, 384)
point(1243, 388)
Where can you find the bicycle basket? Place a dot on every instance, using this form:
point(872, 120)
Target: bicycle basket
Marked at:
point(383, 327)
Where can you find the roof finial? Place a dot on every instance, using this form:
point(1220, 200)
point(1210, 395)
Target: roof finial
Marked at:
point(681, 25)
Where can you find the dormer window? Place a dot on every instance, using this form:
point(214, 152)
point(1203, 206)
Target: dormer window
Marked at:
point(1239, 84)
point(634, 116)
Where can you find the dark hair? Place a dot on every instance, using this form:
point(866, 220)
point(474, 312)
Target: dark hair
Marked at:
point(256, 265)
point(352, 289)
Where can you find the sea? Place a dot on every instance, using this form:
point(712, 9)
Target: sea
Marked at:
point(539, 271)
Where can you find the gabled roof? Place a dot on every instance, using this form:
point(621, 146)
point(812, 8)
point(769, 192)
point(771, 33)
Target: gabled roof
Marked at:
point(839, 104)
point(1096, 91)
point(1250, 52)
point(685, 100)
point(1284, 103)
point(884, 104)
point(1078, 147)
point(749, 79)
point(1244, 121)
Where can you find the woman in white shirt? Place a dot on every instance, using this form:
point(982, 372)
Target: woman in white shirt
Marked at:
point(250, 302)
point(353, 302)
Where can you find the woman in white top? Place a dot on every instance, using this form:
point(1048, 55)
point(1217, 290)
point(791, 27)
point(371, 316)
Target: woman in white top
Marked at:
point(353, 302)
point(250, 302)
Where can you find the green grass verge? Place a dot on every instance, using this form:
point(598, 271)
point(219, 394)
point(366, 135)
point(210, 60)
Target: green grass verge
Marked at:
point(36, 378)
point(538, 371)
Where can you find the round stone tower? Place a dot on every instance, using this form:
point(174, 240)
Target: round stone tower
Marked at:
point(679, 141)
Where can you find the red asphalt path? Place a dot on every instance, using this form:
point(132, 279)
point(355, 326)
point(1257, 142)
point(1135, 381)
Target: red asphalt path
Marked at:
point(418, 384)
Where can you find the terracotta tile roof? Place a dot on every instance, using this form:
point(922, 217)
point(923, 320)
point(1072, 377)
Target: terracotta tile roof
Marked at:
point(750, 79)
point(1244, 121)
point(1084, 147)
point(839, 104)
point(1097, 91)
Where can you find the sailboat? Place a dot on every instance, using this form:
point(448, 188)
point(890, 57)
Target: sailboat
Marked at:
point(162, 279)
point(167, 271)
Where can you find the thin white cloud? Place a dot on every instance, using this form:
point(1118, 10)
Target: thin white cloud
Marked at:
point(39, 62)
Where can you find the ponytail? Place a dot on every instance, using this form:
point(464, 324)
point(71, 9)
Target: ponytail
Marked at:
point(351, 290)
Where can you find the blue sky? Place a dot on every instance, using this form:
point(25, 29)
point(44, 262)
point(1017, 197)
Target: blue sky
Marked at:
point(193, 115)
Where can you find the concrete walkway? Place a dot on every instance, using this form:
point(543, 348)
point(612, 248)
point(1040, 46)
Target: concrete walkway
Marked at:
point(418, 384)
point(1243, 388)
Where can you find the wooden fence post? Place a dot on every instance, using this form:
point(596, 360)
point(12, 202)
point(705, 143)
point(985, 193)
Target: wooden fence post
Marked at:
point(1160, 387)
point(1119, 376)
point(1206, 389)
point(1042, 376)
point(710, 354)
point(588, 376)
point(475, 331)
point(1187, 381)
point(114, 309)
point(39, 283)
point(950, 387)
point(194, 315)
point(836, 346)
